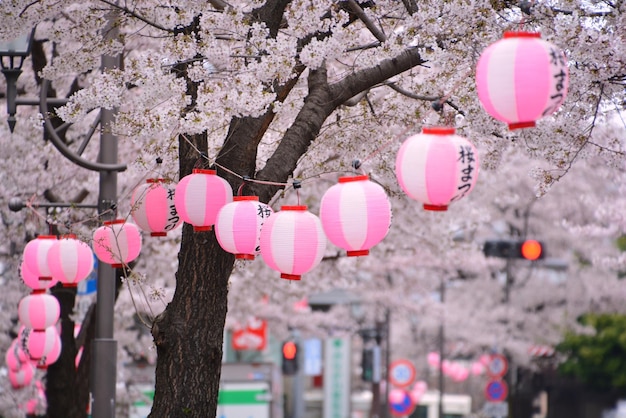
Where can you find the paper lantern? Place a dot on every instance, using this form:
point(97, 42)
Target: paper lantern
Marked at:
point(38, 310)
point(36, 256)
point(521, 78)
point(153, 208)
point(437, 167)
point(292, 241)
point(36, 344)
point(34, 281)
point(52, 356)
point(14, 357)
point(23, 377)
point(238, 226)
point(70, 260)
point(199, 197)
point(355, 214)
point(117, 243)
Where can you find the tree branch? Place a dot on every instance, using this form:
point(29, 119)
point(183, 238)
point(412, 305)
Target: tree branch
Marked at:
point(358, 11)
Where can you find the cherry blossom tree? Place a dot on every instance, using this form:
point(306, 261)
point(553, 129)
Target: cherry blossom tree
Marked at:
point(271, 91)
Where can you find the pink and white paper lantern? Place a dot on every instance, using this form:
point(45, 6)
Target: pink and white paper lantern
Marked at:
point(23, 377)
point(51, 357)
point(355, 214)
point(117, 242)
point(35, 282)
point(437, 167)
point(70, 260)
point(521, 78)
point(199, 197)
point(14, 357)
point(36, 344)
point(36, 256)
point(292, 241)
point(238, 226)
point(38, 310)
point(153, 207)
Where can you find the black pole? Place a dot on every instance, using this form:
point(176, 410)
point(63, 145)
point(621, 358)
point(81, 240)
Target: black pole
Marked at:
point(442, 291)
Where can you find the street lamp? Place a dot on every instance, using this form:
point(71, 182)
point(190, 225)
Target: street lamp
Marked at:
point(104, 349)
point(12, 55)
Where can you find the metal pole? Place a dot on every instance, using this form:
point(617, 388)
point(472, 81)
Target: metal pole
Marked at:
point(298, 407)
point(442, 291)
point(104, 354)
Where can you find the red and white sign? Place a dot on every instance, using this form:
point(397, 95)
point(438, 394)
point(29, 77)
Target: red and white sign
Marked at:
point(496, 390)
point(252, 337)
point(497, 366)
point(401, 373)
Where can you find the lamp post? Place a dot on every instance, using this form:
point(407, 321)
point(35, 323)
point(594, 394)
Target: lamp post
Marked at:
point(104, 354)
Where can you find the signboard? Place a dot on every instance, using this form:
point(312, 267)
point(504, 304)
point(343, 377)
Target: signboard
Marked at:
point(402, 407)
point(244, 400)
point(251, 337)
point(496, 390)
point(401, 373)
point(496, 409)
point(337, 378)
point(313, 357)
point(497, 366)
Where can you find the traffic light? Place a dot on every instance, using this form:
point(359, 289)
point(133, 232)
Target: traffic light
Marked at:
point(367, 364)
point(527, 249)
point(290, 358)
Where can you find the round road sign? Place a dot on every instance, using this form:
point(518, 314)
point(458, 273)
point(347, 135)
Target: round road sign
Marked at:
point(496, 390)
point(402, 407)
point(497, 366)
point(401, 373)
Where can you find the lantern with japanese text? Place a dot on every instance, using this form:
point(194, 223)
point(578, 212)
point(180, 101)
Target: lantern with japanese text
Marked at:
point(153, 208)
point(355, 214)
point(199, 197)
point(117, 242)
point(37, 343)
point(437, 167)
point(36, 256)
point(292, 241)
point(51, 357)
point(14, 357)
point(521, 78)
point(38, 310)
point(70, 260)
point(35, 282)
point(238, 226)
point(23, 377)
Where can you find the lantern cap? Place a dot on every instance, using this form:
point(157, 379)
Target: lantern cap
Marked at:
point(158, 234)
point(439, 130)
point(114, 222)
point(436, 208)
point(68, 236)
point(520, 125)
point(357, 253)
point(298, 207)
point(205, 228)
point(159, 180)
point(46, 237)
point(348, 179)
point(244, 256)
point(521, 34)
point(244, 198)
point(204, 171)
point(290, 276)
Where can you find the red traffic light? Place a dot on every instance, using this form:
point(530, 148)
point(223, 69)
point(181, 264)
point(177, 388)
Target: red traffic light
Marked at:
point(531, 250)
point(289, 350)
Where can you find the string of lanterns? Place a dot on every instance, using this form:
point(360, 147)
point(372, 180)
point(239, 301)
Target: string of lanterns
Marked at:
point(519, 79)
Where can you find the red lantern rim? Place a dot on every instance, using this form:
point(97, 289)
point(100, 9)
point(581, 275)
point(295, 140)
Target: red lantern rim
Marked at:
point(203, 171)
point(159, 180)
point(288, 276)
point(298, 208)
point(522, 34)
point(244, 198)
point(47, 237)
point(244, 256)
point(439, 130)
point(68, 236)
point(348, 179)
point(521, 125)
point(436, 208)
point(114, 222)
